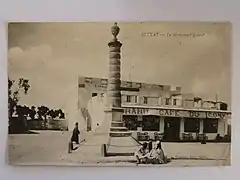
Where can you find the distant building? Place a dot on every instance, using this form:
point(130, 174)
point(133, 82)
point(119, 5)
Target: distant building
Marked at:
point(160, 108)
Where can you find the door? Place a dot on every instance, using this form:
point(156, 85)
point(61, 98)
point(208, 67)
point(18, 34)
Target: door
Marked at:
point(171, 128)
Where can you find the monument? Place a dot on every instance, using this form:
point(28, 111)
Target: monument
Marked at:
point(120, 142)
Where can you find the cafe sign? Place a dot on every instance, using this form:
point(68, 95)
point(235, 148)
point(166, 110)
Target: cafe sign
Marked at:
point(136, 111)
point(173, 113)
point(181, 113)
point(215, 115)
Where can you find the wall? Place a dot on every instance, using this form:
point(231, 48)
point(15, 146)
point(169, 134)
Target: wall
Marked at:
point(198, 104)
point(96, 111)
point(99, 86)
point(56, 124)
point(157, 93)
point(83, 115)
point(17, 125)
point(154, 91)
point(91, 109)
point(155, 96)
point(35, 124)
point(208, 105)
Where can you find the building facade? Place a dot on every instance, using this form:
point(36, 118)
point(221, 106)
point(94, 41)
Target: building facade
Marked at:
point(161, 109)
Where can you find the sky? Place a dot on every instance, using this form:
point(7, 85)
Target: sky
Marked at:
point(52, 55)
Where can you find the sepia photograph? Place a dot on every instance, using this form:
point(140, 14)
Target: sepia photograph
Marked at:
point(138, 94)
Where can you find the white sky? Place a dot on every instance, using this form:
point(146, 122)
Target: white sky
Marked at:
point(52, 55)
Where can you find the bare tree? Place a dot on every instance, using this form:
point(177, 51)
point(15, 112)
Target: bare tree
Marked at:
point(13, 95)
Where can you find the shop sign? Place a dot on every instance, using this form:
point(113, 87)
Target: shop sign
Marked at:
point(196, 114)
point(169, 112)
point(135, 111)
point(173, 113)
point(181, 113)
point(216, 115)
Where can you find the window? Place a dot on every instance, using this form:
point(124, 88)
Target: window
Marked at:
point(128, 98)
point(94, 94)
point(88, 80)
point(131, 122)
point(174, 102)
point(139, 85)
point(81, 85)
point(150, 123)
point(145, 100)
point(129, 84)
point(223, 106)
point(210, 126)
point(103, 81)
point(191, 125)
point(167, 101)
point(135, 99)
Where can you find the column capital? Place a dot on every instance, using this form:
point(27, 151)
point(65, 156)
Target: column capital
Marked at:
point(115, 43)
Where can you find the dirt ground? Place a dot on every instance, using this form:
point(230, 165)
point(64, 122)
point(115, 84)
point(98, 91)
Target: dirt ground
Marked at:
point(51, 148)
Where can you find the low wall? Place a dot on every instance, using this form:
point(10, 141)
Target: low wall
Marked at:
point(56, 124)
point(35, 124)
point(17, 125)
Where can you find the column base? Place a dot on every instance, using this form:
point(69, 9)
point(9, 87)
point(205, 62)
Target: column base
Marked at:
point(118, 128)
point(121, 142)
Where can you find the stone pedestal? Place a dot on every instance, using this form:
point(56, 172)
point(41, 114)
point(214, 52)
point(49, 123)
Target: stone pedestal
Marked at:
point(118, 128)
point(120, 141)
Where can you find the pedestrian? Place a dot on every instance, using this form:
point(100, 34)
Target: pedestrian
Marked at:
point(75, 134)
point(141, 154)
point(150, 146)
point(157, 156)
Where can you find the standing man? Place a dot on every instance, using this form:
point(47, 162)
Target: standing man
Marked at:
point(75, 134)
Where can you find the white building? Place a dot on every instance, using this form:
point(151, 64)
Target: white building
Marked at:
point(153, 108)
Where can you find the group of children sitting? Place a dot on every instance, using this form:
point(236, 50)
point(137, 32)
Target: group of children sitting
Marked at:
point(150, 153)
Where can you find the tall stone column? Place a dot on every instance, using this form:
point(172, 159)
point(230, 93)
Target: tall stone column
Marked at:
point(114, 79)
point(114, 82)
point(120, 140)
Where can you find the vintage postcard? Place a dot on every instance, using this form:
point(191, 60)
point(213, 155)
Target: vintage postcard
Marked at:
point(119, 94)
